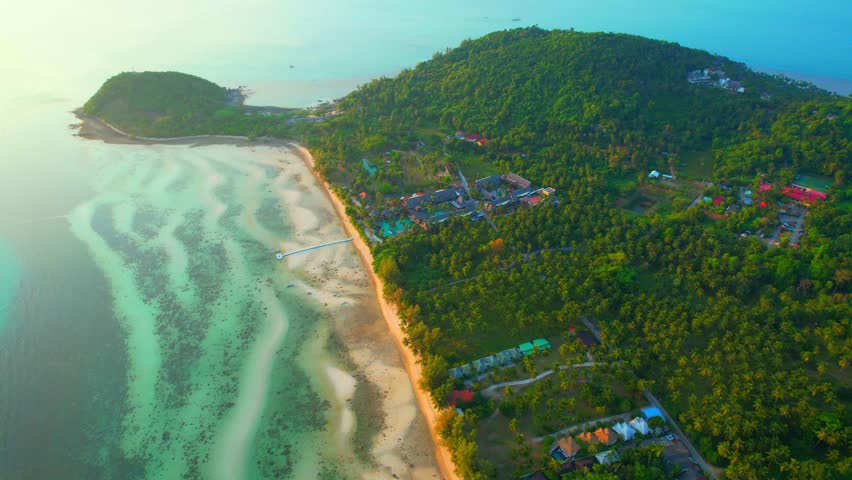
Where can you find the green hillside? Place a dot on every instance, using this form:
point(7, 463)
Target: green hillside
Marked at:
point(157, 103)
point(742, 332)
point(746, 344)
point(617, 100)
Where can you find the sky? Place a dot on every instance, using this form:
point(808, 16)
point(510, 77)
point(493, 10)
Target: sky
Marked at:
point(63, 47)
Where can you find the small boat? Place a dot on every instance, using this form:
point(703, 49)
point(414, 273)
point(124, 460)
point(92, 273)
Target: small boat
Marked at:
point(291, 286)
point(516, 19)
point(279, 256)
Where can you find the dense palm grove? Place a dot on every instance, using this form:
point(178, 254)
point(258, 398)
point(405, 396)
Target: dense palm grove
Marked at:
point(748, 347)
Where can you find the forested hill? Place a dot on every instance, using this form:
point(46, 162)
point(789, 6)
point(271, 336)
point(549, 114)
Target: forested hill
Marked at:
point(157, 103)
point(618, 98)
point(745, 340)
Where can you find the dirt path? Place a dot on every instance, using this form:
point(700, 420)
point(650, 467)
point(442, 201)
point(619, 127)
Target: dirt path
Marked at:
point(538, 377)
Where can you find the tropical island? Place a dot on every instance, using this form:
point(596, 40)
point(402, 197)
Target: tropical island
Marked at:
point(613, 257)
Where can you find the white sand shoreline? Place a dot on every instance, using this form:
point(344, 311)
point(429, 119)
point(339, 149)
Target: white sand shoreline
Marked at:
point(389, 312)
point(397, 423)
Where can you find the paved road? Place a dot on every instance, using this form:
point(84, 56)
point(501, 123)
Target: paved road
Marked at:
point(712, 471)
point(796, 231)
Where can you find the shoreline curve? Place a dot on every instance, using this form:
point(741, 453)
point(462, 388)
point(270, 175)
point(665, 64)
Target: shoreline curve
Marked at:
point(96, 129)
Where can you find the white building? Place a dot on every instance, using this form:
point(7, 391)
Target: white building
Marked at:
point(640, 425)
point(654, 174)
point(607, 457)
point(624, 430)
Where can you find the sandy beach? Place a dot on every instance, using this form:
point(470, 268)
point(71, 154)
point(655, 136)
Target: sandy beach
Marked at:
point(345, 287)
point(389, 312)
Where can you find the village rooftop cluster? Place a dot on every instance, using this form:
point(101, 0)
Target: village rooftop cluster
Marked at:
point(505, 192)
point(716, 77)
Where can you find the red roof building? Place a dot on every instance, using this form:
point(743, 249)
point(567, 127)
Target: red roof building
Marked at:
point(532, 200)
point(718, 200)
point(765, 187)
point(460, 396)
point(481, 141)
point(805, 196)
point(472, 138)
point(762, 204)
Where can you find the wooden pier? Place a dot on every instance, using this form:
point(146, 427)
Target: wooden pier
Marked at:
point(328, 244)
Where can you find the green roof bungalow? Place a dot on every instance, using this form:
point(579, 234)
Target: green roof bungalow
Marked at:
point(541, 344)
point(527, 348)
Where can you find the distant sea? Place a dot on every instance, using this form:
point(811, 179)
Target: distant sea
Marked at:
point(125, 272)
point(9, 280)
point(294, 52)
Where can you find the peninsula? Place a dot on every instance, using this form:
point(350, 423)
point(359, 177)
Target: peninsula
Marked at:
point(592, 249)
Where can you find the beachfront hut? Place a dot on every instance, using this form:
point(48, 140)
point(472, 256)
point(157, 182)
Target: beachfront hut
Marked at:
point(651, 412)
point(478, 366)
point(640, 425)
point(541, 344)
point(489, 361)
point(507, 357)
point(527, 348)
point(625, 430)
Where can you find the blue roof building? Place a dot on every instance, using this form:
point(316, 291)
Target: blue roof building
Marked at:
point(651, 412)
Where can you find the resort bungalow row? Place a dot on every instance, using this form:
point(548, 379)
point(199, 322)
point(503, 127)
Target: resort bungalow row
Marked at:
point(501, 359)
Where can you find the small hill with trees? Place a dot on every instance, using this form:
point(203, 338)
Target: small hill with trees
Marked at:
point(157, 104)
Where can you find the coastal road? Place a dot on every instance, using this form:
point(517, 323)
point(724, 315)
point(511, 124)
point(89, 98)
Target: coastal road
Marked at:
point(711, 470)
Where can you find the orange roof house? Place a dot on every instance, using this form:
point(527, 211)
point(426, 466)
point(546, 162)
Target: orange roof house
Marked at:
point(588, 437)
point(606, 436)
point(569, 446)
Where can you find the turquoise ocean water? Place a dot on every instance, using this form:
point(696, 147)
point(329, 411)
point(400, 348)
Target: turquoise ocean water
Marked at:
point(9, 279)
point(147, 335)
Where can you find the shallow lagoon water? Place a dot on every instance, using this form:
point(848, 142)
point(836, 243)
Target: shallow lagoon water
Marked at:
point(213, 332)
point(153, 334)
point(149, 332)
